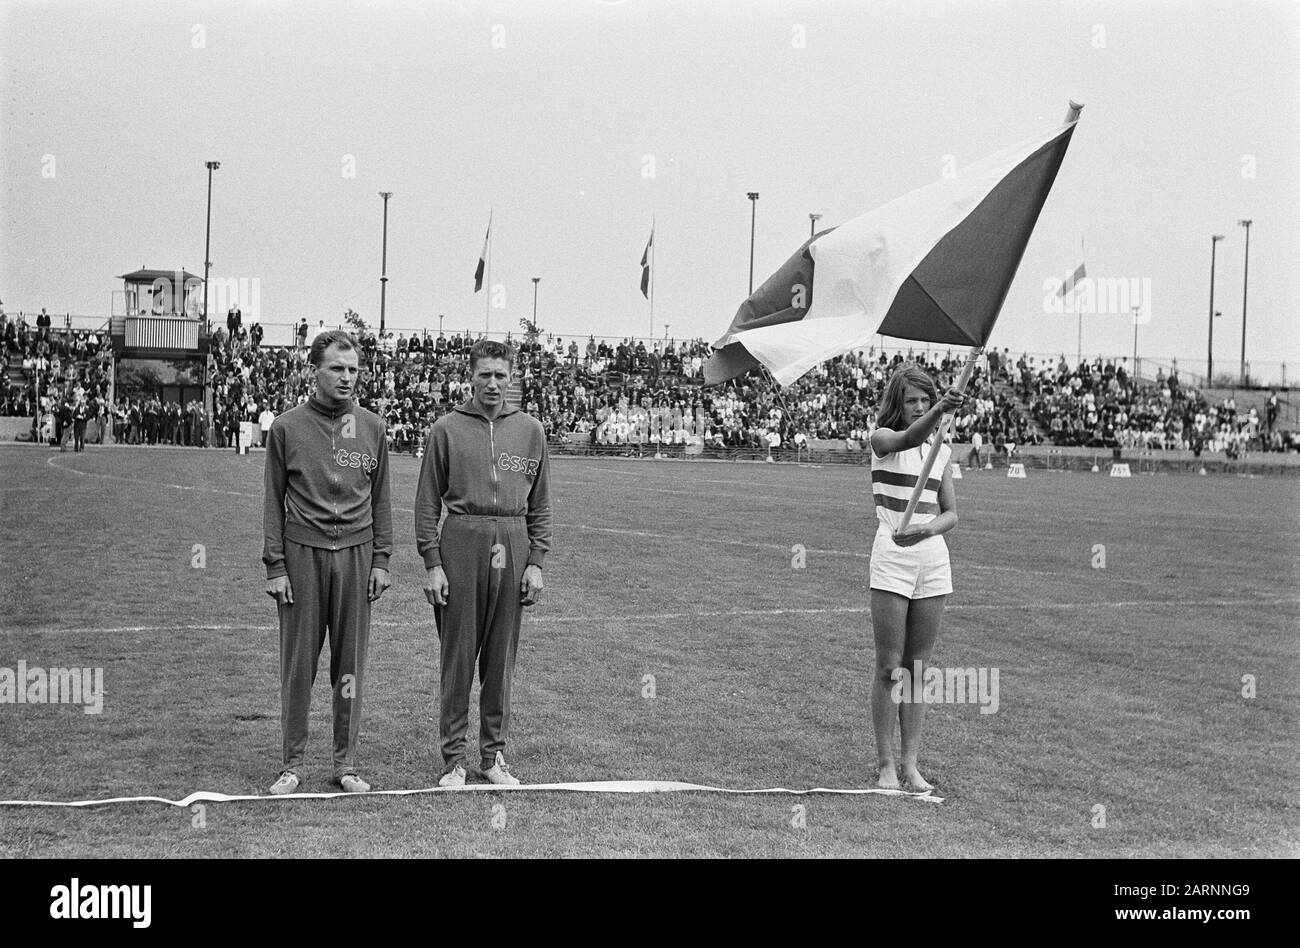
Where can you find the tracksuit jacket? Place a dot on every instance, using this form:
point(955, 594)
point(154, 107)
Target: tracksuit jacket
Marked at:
point(496, 468)
point(326, 483)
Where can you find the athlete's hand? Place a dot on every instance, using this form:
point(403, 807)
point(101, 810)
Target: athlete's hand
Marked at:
point(436, 588)
point(531, 588)
point(952, 400)
point(281, 590)
point(379, 581)
point(914, 534)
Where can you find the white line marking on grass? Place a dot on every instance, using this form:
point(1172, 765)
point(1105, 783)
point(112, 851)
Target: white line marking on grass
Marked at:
point(969, 607)
point(785, 549)
point(138, 481)
point(594, 786)
point(622, 532)
point(144, 628)
point(680, 537)
point(746, 495)
point(720, 614)
point(669, 477)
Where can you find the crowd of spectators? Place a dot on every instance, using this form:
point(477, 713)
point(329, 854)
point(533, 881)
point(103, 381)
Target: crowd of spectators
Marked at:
point(1098, 404)
point(148, 420)
point(246, 379)
point(65, 375)
point(636, 393)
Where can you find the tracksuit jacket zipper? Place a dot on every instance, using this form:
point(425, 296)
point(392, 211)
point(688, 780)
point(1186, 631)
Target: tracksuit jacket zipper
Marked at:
point(492, 465)
point(334, 490)
point(331, 420)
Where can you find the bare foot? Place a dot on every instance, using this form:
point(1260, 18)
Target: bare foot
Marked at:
point(888, 779)
point(915, 781)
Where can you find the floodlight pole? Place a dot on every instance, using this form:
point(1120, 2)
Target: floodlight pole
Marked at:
point(207, 242)
point(1136, 311)
point(1209, 356)
point(1245, 279)
point(383, 266)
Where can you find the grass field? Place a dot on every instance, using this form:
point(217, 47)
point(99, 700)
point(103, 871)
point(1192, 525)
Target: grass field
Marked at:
point(1119, 686)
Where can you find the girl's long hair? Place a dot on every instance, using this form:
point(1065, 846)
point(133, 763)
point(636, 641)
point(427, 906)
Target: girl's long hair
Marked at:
point(891, 405)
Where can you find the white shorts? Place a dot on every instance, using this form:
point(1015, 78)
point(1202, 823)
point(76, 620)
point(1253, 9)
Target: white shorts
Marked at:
point(917, 572)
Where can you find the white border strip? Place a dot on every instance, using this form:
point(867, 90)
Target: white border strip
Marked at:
point(594, 786)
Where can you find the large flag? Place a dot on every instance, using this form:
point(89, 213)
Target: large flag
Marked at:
point(645, 264)
point(933, 265)
point(1068, 286)
point(482, 258)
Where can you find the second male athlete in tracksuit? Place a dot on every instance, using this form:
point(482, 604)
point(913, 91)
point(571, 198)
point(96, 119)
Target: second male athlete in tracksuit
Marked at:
point(486, 464)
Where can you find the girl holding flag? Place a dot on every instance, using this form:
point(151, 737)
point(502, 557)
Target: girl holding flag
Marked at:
point(910, 574)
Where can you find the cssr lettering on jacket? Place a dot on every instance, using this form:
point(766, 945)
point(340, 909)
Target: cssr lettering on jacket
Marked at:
point(520, 465)
point(355, 459)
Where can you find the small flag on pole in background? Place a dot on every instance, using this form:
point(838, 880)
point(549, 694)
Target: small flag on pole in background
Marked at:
point(1068, 286)
point(645, 264)
point(482, 258)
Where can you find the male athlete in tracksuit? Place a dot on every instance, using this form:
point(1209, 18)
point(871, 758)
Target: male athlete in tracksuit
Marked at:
point(328, 529)
point(486, 464)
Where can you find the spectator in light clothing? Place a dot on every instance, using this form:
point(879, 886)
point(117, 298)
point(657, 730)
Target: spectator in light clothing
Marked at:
point(264, 422)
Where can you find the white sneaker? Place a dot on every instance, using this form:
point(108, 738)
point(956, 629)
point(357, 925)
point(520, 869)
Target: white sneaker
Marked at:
point(453, 778)
point(287, 783)
point(351, 783)
point(499, 773)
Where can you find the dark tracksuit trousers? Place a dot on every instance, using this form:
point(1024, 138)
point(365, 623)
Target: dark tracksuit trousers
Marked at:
point(484, 559)
point(329, 598)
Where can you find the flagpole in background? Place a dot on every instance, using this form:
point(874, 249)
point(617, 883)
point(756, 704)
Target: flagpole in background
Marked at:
point(1075, 301)
point(484, 269)
point(753, 218)
point(648, 275)
point(652, 286)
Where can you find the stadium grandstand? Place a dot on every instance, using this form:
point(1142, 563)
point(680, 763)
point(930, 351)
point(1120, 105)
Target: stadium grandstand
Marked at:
point(146, 379)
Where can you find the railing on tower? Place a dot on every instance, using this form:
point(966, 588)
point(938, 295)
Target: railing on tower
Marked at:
point(162, 332)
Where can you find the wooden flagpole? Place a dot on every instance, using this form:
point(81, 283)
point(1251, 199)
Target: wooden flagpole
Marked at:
point(652, 280)
point(1074, 301)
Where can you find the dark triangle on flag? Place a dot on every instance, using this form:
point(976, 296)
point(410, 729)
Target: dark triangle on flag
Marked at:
point(955, 294)
point(771, 304)
point(728, 362)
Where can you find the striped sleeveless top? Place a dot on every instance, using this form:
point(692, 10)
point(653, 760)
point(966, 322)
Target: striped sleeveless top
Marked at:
point(893, 478)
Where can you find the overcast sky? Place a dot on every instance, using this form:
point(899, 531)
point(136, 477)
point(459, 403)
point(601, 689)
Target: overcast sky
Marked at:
point(577, 120)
